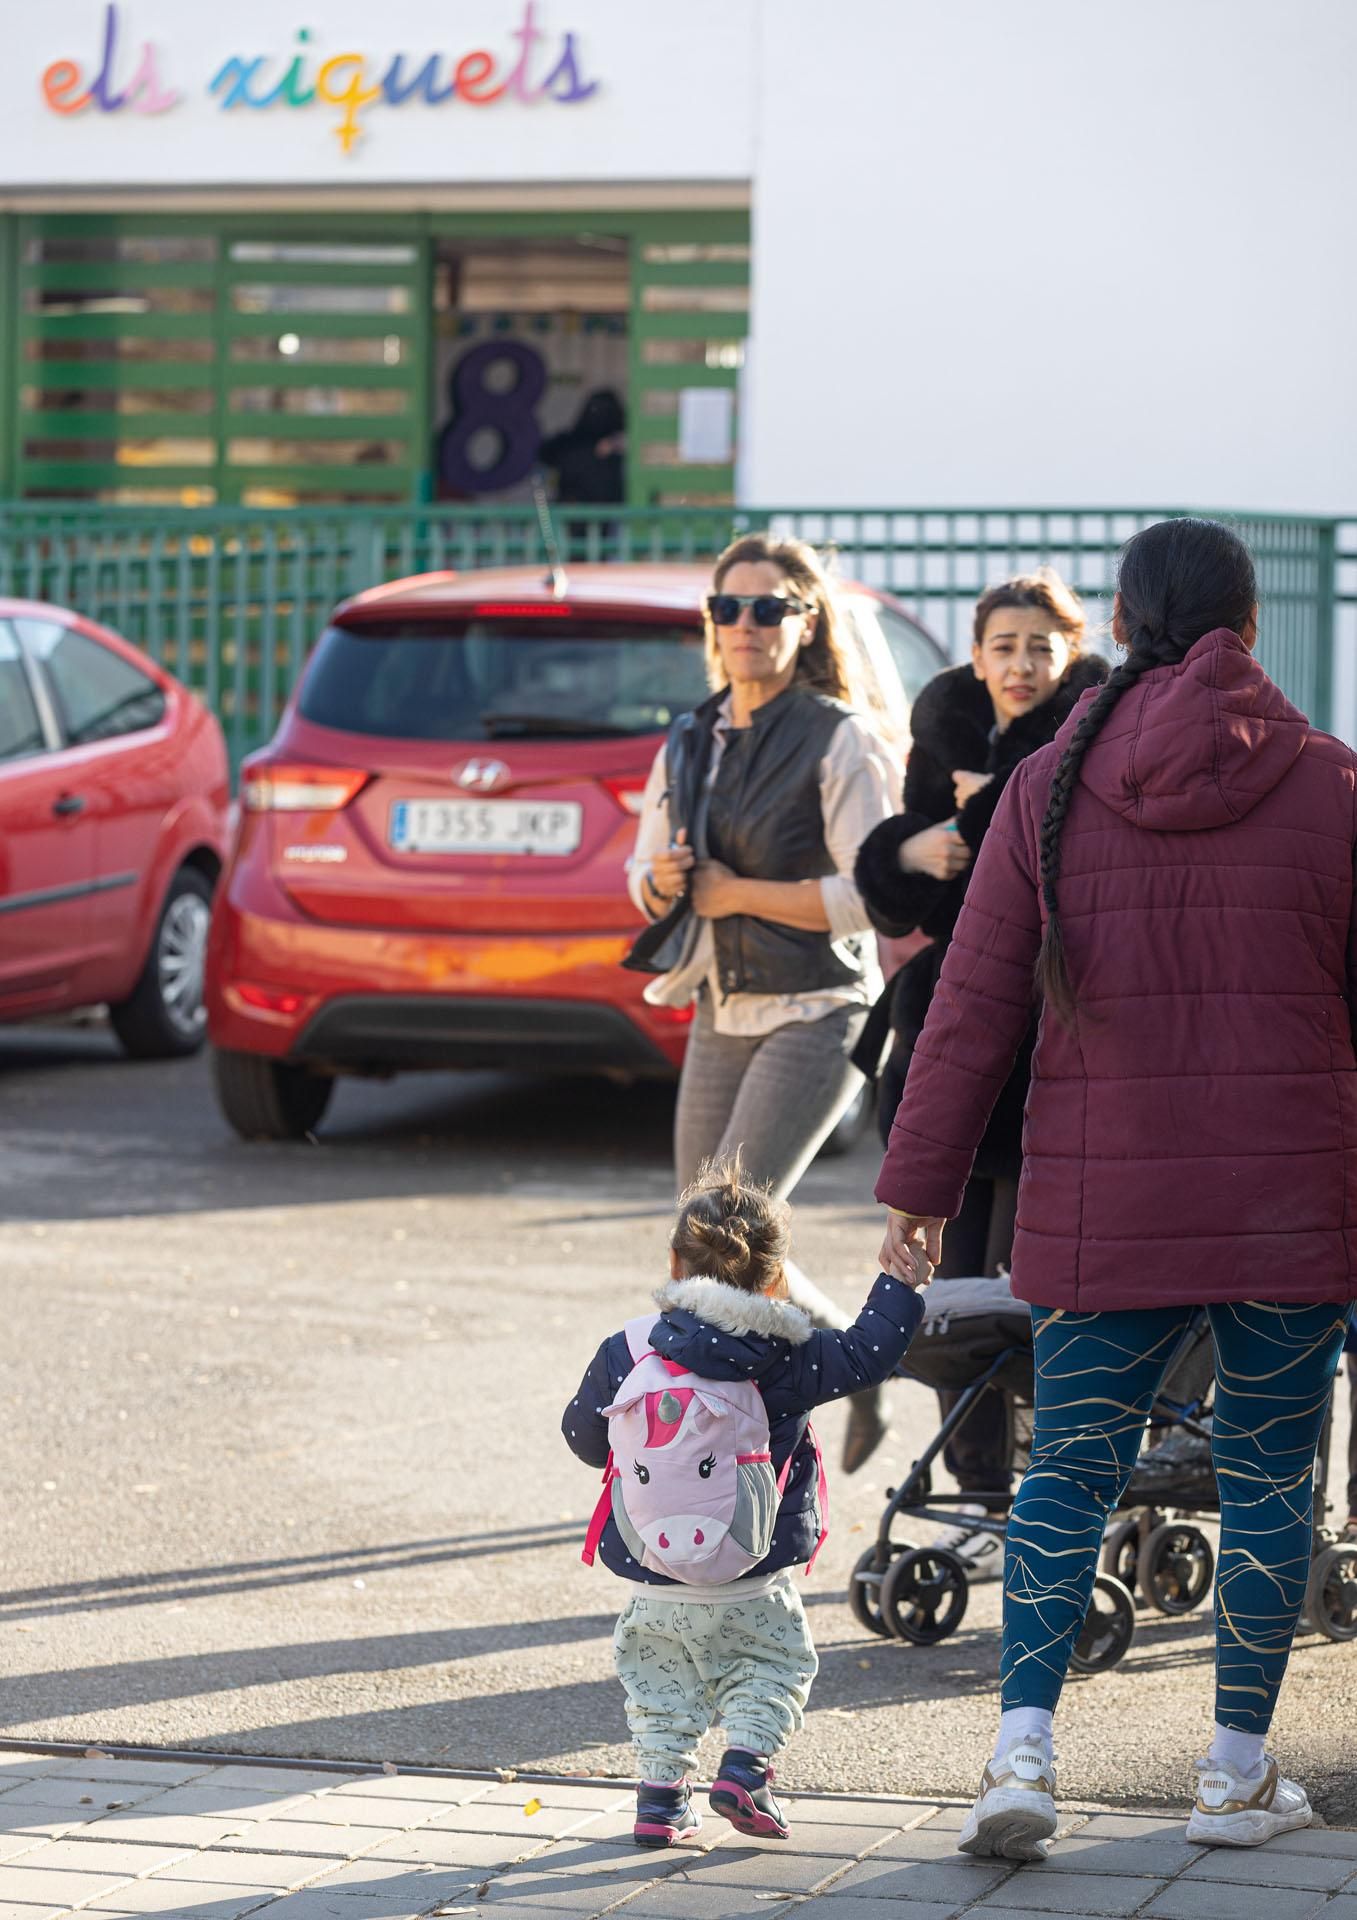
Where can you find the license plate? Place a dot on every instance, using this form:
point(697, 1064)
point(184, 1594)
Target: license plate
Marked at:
point(485, 826)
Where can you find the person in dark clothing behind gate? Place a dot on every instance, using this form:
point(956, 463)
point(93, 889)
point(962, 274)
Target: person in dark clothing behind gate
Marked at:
point(971, 726)
point(587, 458)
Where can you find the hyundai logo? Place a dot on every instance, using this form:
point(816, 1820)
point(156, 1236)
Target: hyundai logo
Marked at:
point(481, 776)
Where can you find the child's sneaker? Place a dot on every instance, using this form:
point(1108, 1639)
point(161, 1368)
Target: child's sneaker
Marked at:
point(1014, 1815)
point(663, 1815)
point(740, 1793)
point(1243, 1811)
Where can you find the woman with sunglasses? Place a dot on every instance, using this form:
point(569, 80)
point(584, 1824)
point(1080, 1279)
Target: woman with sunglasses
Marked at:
point(750, 823)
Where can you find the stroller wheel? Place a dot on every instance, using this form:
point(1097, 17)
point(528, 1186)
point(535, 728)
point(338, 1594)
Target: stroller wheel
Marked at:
point(924, 1595)
point(1121, 1549)
point(1174, 1567)
point(864, 1588)
point(1108, 1630)
point(1331, 1597)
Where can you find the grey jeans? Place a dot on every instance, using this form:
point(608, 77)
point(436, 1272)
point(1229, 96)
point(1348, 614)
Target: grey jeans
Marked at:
point(776, 1098)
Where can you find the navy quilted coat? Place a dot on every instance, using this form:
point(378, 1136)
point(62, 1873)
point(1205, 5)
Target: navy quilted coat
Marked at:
point(726, 1334)
point(1194, 1138)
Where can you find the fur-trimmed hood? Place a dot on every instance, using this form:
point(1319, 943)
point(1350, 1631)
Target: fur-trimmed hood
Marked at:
point(735, 1311)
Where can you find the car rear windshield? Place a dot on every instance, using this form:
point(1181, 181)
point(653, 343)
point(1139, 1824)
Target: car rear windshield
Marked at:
point(504, 679)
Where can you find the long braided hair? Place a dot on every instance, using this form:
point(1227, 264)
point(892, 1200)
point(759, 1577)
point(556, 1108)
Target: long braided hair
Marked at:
point(1176, 581)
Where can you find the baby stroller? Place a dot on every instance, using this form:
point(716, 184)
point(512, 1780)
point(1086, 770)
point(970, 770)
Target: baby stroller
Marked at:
point(976, 1339)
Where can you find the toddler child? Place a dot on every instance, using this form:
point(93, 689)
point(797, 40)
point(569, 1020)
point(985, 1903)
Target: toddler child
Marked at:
point(714, 1491)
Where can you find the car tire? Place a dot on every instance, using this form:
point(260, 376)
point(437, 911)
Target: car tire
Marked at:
point(164, 1017)
point(267, 1099)
point(851, 1124)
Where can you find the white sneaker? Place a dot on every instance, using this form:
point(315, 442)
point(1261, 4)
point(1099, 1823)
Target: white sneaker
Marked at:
point(1014, 1816)
point(1235, 1811)
point(981, 1553)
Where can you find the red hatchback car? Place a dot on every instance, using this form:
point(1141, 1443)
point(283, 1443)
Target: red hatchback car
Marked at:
point(114, 789)
point(430, 864)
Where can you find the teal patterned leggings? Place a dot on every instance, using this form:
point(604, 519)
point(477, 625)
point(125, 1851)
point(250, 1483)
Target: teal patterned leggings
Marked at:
point(1096, 1378)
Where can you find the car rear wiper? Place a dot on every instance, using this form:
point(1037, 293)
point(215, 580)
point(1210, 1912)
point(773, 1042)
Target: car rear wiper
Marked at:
point(563, 723)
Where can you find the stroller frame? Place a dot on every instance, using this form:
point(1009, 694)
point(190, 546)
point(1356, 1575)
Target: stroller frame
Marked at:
point(920, 1594)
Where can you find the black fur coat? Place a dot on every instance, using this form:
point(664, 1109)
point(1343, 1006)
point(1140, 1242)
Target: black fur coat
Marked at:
point(953, 729)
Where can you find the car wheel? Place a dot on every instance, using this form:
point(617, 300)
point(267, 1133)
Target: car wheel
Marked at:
point(268, 1099)
point(851, 1124)
point(164, 1016)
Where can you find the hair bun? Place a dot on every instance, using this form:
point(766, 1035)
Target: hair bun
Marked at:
point(731, 1229)
point(725, 1239)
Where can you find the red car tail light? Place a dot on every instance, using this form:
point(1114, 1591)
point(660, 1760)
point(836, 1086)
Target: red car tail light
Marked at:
point(672, 1016)
point(269, 999)
point(628, 789)
point(275, 786)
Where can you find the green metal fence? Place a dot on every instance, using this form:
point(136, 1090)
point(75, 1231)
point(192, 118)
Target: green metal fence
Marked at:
point(231, 601)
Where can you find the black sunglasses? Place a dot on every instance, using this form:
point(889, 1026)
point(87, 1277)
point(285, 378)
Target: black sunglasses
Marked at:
point(769, 609)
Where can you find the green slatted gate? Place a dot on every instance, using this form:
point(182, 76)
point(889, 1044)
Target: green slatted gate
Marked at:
point(182, 360)
point(689, 323)
point(285, 359)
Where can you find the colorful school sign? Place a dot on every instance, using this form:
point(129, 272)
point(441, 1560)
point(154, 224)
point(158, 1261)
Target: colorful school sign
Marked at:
point(541, 67)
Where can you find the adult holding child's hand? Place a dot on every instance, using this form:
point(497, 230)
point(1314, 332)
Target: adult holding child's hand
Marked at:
point(1175, 872)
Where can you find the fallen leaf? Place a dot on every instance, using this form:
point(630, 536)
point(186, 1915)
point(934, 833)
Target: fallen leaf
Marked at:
point(96, 1753)
point(864, 1664)
point(482, 1889)
point(532, 1806)
point(87, 1799)
point(387, 1767)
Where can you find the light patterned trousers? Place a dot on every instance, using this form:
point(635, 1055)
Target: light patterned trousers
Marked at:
point(685, 1664)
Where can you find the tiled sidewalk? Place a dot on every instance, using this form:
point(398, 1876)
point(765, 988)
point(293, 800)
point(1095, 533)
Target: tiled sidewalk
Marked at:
point(217, 1842)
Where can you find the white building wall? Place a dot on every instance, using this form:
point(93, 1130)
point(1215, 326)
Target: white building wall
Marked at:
point(1058, 252)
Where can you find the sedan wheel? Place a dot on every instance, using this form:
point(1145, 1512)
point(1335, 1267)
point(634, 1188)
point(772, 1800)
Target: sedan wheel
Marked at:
point(164, 1016)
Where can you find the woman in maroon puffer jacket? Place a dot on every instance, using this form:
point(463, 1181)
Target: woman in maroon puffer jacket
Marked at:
point(1177, 868)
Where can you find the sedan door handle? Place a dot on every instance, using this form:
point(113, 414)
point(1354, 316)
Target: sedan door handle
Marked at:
point(68, 803)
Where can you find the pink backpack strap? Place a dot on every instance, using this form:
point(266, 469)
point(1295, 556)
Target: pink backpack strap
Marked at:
point(601, 1514)
point(637, 1334)
point(821, 1495)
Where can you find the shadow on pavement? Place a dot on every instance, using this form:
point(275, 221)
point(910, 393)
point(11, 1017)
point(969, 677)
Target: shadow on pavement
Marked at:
point(252, 1576)
point(72, 1691)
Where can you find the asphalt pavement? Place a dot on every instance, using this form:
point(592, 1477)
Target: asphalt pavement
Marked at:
point(282, 1465)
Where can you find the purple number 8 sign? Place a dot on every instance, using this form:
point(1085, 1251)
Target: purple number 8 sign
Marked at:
point(509, 413)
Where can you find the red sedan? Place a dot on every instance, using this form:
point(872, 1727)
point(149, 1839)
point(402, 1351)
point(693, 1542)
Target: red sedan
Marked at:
point(113, 803)
point(430, 867)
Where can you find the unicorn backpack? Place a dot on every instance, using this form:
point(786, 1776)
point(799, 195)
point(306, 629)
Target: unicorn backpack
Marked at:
point(689, 1479)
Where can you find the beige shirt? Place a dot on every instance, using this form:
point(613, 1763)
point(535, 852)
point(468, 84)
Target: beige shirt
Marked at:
point(859, 784)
